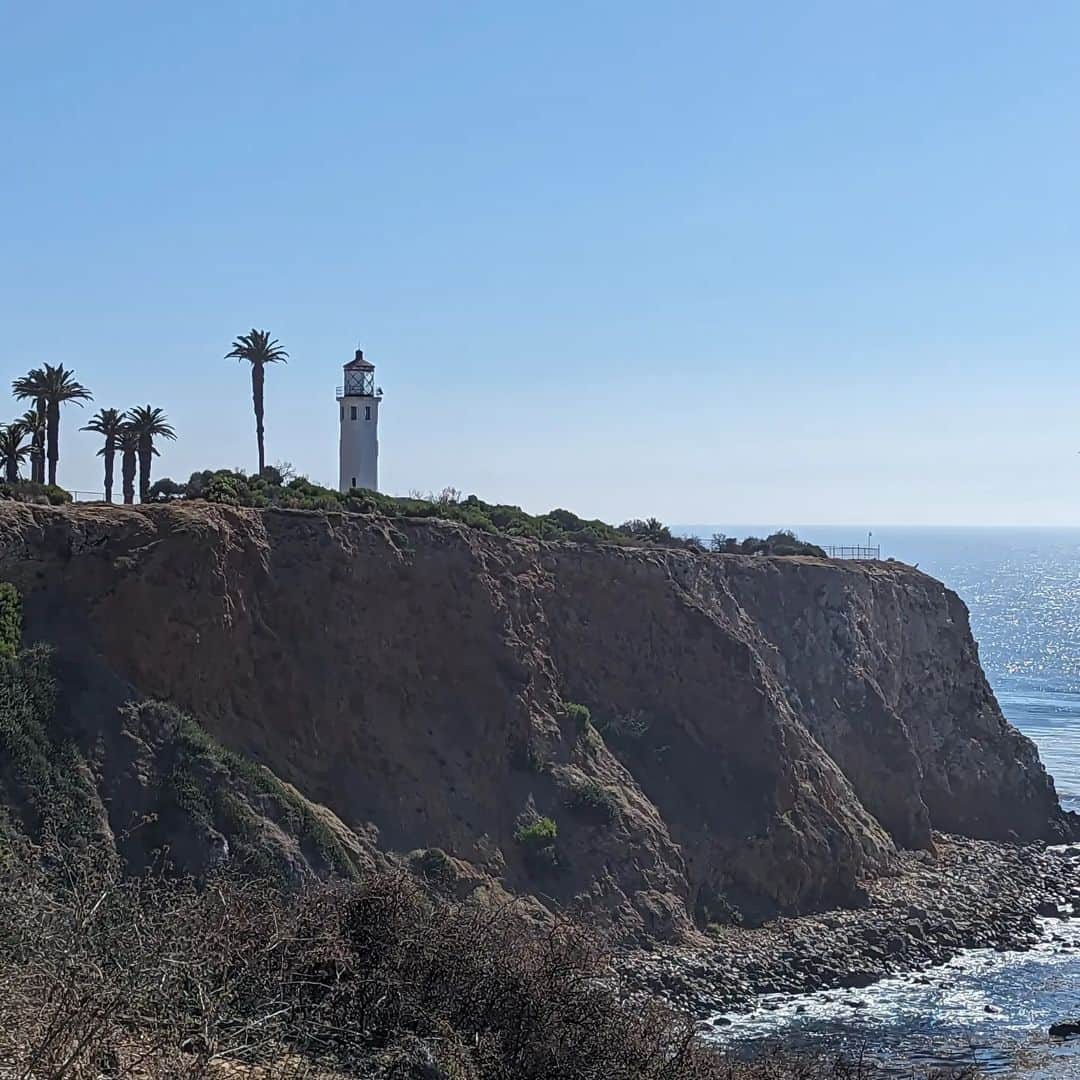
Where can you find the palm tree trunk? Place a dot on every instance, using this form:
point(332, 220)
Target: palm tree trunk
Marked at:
point(53, 436)
point(110, 461)
point(11, 470)
point(258, 376)
point(127, 471)
point(146, 452)
point(37, 457)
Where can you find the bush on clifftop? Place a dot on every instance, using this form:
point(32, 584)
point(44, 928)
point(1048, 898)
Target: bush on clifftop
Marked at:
point(783, 542)
point(279, 488)
point(271, 489)
point(26, 491)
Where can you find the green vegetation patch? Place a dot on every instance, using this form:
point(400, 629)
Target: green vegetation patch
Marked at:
point(591, 799)
point(537, 836)
point(579, 714)
point(541, 833)
point(43, 776)
point(27, 491)
point(197, 786)
point(783, 542)
point(10, 620)
point(273, 489)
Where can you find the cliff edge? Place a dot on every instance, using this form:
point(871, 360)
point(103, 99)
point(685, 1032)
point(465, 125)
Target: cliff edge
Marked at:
point(760, 734)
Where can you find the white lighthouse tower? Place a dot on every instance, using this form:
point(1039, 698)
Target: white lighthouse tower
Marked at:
point(358, 400)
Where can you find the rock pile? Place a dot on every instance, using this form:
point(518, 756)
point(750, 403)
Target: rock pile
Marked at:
point(974, 894)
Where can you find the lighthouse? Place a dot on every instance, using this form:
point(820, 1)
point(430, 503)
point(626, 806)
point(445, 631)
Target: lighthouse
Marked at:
point(358, 402)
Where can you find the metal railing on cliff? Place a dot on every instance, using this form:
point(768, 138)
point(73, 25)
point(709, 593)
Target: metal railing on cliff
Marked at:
point(855, 551)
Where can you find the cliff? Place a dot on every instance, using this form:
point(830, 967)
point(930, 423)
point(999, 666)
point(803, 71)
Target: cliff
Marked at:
point(764, 731)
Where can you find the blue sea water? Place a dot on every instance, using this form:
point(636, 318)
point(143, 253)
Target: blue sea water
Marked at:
point(1022, 587)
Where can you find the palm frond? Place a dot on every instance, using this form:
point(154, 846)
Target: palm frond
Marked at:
point(53, 383)
point(257, 347)
point(106, 422)
point(30, 385)
point(147, 421)
point(12, 445)
point(60, 385)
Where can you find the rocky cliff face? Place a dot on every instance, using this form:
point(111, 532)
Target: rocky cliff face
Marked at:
point(764, 731)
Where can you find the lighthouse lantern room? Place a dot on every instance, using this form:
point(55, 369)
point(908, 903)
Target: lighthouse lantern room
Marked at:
point(358, 404)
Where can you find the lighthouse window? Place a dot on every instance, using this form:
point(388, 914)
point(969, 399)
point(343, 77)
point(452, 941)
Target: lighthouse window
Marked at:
point(354, 481)
point(352, 412)
point(367, 412)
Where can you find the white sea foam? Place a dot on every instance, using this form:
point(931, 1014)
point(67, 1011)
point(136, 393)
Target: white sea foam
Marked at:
point(1023, 589)
point(986, 1007)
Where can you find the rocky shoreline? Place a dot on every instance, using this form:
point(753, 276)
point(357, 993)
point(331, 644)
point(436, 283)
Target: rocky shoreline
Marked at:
point(968, 894)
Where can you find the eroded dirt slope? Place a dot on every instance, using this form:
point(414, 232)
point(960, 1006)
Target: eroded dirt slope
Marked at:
point(765, 730)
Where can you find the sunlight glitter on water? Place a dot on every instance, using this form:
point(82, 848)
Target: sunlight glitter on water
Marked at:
point(1052, 720)
point(1022, 587)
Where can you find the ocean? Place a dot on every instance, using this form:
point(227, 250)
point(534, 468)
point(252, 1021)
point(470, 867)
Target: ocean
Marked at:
point(1022, 586)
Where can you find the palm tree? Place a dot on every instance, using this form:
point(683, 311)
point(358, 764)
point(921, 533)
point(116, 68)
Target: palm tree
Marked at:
point(127, 442)
point(13, 451)
point(259, 350)
point(32, 423)
point(32, 386)
point(108, 422)
point(56, 385)
point(148, 424)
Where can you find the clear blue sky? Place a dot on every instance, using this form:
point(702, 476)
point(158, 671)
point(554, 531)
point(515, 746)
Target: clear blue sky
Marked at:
point(784, 262)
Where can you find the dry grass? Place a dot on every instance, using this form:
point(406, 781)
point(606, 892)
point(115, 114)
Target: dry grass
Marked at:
point(102, 976)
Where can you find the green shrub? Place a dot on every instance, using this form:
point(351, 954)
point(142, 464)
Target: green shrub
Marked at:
point(650, 530)
point(582, 718)
point(10, 620)
point(195, 786)
point(785, 542)
point(26, 491)
point(271, 490)
point(592, 799)
point(165, 490)
point(580, 715)
point(782, 542)
point(42, 774)
point(541, 833)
